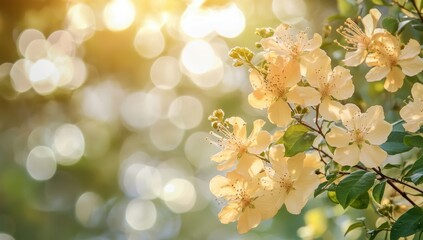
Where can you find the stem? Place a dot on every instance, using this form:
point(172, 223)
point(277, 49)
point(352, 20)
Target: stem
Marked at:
point(379, 172)
point(417, 10)
point(403, 194)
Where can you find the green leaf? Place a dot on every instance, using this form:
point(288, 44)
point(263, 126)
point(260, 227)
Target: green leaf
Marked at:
point(415, 174)
point(418, 26)
point(378, 191)
point(354, 226)
point(413, 140)
point(395, 143)
point(297, 139)
point(353, 186)
point(390, 166)
point(320, 189)
point(361, 202)
point(409, 223)
point(390, 24)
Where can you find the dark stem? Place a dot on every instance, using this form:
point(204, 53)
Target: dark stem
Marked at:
point(379, 172)
point(403, 194)
point(417, 10)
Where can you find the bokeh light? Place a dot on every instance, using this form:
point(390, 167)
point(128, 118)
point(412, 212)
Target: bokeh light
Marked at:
point(165, 72)
point(86, 207)
point(119, 14)
point(165, 136)
point(104, 115)
point(69, 144)
point(81, 21)
point(199, 57)
point(179, 195)
point(141, 214)
point(41, 163)
point(149, 41)
point(186, 112)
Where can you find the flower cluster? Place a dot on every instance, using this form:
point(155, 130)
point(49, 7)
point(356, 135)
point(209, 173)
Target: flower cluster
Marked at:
point(314, 133)
point(381, 51)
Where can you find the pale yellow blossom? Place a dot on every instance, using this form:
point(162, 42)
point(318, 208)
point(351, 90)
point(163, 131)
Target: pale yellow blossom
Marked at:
point(291, 43)
point(358, 39)
point(275, 90)
point(248, 202)
point(237, 147)
point(294, 45)
point(412, 113)
point(391, 62)
point(331, 84)
point(292, 179)
point(361, 137)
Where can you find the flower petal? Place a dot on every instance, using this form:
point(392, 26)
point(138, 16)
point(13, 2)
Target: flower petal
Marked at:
point(394, 80)
point(259, 99)
point(295, 165)
point(372, 156)
point(256, 79)
point(411, 67)
point(411, 50)
point(342, 82)
point(295, 201)
point(417, 92)
point(370, 21)
point(348, 155)
point(260, 142)
point(249, 166)
point(279, 113)
point(412, 113)
point(224, 155)
point(221, 186)
point(239, 127)
point(317, 72)
point(377, 73)
point(330, 109)
point(338, 137)
point(379, 133)
point(313, 43)
point(267, 206)
point(228, 214)
point(249, 219)
point(353, 59)
point(304, 96)
point(349, 116)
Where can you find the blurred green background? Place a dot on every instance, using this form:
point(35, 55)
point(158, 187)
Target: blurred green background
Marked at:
point(104, 109)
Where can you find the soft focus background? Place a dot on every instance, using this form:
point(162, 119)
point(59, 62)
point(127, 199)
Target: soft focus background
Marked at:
point(104, 107)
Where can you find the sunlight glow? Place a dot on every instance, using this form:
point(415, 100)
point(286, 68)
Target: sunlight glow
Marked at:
point(118, 15)
point(199, 57)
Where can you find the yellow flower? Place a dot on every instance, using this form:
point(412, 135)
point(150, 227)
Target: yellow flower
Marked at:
point(290, 43)
point(248, 202)
point(292, 180)
point(331, 84)
point(278, 88)
point(390, 61)
point(358, 39)
point(360, 140)
point(412, 113)
point(236, 146)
